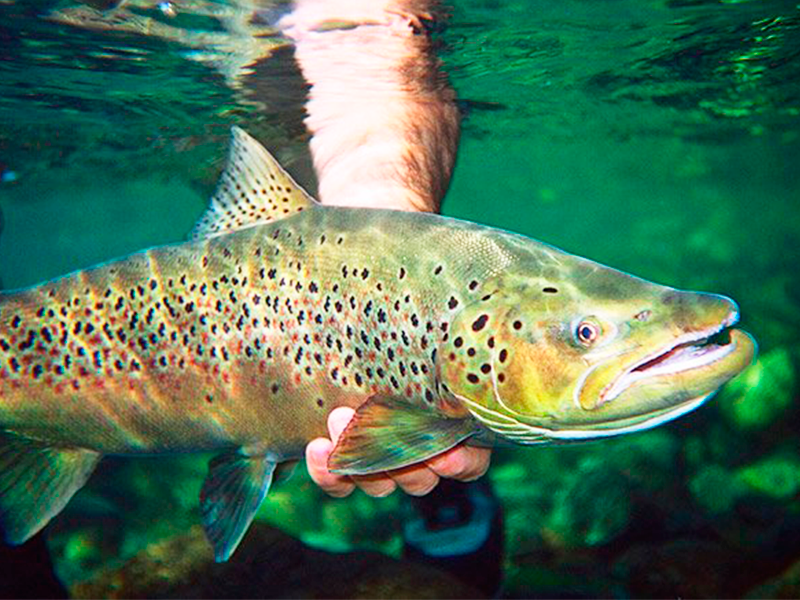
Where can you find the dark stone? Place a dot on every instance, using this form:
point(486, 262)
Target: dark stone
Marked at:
point(27, 572)
point(268, 564)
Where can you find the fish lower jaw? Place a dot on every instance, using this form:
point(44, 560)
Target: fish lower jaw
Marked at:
point(687, 353)
point(615, 428)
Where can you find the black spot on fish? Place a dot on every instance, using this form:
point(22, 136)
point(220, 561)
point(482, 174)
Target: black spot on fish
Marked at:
point(503, 355)
point(472, 378)
point(550, 290)
point(452, 303)
point(480, 322)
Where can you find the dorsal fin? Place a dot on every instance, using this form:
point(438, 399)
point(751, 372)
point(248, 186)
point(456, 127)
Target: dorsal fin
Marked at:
point(253, 189)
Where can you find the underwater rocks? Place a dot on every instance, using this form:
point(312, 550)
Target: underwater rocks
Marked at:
point(683, 568)
point(268, 564)
point(786, 585)
point(27, 572)
point(760, 394)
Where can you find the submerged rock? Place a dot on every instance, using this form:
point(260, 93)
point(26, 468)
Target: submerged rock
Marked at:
point(776, 476)
point(682, 568)
point(761, 393)
point(268, 564)
point(786, 585)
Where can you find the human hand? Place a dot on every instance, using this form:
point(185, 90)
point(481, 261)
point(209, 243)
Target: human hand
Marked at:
point(465, 463)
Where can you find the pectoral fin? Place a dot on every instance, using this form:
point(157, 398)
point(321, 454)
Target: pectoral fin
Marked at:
point(232, 492)
point(36, 483)
point(388, 433)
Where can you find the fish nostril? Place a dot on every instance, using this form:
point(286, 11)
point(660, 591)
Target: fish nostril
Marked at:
point(643, 315)
point(673, 298)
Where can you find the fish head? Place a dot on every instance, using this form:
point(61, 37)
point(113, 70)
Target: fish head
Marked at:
point(583, 351)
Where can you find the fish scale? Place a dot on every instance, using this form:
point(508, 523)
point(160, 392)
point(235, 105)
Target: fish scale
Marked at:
point(242, 340)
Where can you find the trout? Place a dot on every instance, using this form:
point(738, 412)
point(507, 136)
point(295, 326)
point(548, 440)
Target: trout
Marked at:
point(278, 310)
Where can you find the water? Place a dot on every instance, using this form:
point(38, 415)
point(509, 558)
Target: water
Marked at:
point(660, 137)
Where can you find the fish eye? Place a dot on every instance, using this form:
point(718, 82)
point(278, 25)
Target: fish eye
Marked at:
point(587, 333)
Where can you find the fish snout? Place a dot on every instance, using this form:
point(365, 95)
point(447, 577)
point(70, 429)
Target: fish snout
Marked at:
point(699, 311)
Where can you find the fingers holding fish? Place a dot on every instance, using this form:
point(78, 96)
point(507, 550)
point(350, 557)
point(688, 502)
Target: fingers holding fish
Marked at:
point(339, 486)
point(415, 480)
point(464, 463)
point(317, 452)
point(379, 484)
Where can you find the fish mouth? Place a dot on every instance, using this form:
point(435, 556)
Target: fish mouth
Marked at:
point(691, 352)
point(652, 379)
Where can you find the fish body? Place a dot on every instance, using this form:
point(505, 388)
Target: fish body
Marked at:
point(246, 338)
point(242, 340)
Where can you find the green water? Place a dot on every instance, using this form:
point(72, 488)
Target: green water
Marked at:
point(659, 137)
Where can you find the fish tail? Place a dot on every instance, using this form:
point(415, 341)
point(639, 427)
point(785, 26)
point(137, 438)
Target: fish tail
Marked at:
point(36, 483)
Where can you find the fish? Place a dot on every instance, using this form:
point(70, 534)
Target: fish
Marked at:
point(277, 310)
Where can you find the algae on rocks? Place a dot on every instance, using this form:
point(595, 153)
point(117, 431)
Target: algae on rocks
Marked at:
point(762, 393)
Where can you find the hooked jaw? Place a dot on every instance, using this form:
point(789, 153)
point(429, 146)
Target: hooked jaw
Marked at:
point(642, 389)
point(690, 351)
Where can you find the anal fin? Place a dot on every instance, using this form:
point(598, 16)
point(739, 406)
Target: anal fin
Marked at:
point(389, 433)
point(232, 492)
point(36, 483)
